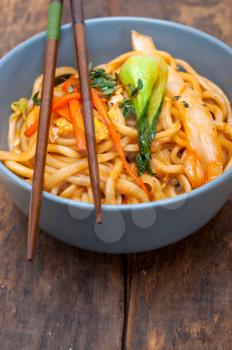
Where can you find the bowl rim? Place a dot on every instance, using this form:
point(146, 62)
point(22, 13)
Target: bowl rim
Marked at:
point(122, 207)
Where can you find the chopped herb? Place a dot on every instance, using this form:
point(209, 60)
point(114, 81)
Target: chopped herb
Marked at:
point(127, 108)
point(135, 89)
point(186, 105)
point(176, 98)
point(36, 100)
point(116, 76)
point(61, 78)
point(102, 81)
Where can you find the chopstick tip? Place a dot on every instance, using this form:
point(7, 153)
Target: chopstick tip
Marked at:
point(99, 218)
point(30, 248)
point(30, 255)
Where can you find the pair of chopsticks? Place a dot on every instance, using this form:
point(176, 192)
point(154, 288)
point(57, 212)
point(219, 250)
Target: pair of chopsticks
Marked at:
point(53, 34)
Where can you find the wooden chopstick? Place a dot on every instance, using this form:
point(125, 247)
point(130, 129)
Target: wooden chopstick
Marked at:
point(53, 33)
point(82, 63)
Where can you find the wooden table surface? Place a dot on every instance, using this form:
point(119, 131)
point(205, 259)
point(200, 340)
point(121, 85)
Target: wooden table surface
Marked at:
point(178, 297)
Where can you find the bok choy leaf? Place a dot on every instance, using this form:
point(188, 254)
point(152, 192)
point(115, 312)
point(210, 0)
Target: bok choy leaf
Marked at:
point(153, 72)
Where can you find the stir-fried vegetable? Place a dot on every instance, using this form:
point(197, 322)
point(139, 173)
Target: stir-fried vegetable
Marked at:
point(102, 110)
point(152, 71)
point(127, 108)
point(32, 129)
point(78, 125)
point(32, 121)
point(144, 68)
point(70, 85)
point(204, 155)
point(142, 42)
point(20, 107)
point(102, 81)
point(63, 100)
point(127, 105)
point(64, 112)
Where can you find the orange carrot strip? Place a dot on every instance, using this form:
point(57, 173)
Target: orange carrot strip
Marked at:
point(65, 113)
point(102, 110)
point(64, 100)
point(60, 106)
point(32, 129)
point(71, 81)
point(78, 125)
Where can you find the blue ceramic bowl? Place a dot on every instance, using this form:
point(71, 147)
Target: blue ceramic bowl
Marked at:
point(130, 228)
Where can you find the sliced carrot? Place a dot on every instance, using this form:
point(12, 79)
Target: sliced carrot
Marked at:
point(78, 125)
point(60, 106)
point(72, 81)
point(102, 110)
point(32, 129)
point(65, 113)
point(104, 100)
point(64, 100)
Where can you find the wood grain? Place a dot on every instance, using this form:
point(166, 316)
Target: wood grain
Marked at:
point(21, 19)
point(66, 299)
point(176, 298)
point(180, 296)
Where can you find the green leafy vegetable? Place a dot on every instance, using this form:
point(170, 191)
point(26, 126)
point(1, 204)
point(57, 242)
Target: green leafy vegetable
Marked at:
point(36, 100)
point(102, 81)
point(144, 68)
point(135, 89)
point(127, 108)
point(147, 102)
point(141, 165)
point(20, 107)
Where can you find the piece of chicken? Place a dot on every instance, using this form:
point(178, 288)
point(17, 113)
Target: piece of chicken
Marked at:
point(65, 128)
point(101, 129)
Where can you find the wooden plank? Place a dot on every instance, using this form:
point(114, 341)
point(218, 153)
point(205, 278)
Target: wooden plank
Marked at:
point(66, 299)
point(180, 296)
point(24, 18)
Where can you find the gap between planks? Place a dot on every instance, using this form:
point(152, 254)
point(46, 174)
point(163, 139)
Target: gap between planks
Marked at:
point(129, 301)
